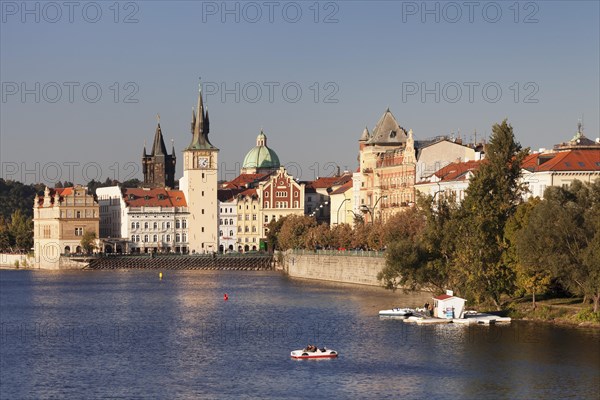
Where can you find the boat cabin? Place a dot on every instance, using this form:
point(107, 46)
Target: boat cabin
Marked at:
point(448, 306)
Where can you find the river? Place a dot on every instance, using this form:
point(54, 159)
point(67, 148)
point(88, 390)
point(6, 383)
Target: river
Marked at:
point(129, 334)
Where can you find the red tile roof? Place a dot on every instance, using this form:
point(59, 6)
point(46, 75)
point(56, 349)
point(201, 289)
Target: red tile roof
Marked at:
point(62, 193)
point(442, 297)
point(158, 197)
point(329, 181)
point(248, 192)
point(342, 189)
point(244, 180)
point(457, 171)
point(572, 160)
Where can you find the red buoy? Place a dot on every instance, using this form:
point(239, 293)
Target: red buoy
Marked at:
point(225, 297)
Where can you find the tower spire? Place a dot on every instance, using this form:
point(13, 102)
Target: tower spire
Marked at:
point(200, 125)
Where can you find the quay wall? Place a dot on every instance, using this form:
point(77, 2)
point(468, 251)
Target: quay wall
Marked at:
point(16, 260)
point(357, 268)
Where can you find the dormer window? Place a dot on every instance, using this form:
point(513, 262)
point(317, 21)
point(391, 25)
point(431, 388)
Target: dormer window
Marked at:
point(161, 196)
point(131, 197)
point(146, 197)
point(392, 134)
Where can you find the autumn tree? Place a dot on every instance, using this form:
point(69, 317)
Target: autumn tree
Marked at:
point(21, 230)
point(293, 231)
point(342, 236)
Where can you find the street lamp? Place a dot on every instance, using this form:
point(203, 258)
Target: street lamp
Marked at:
point(364, 208)
point(338, 211)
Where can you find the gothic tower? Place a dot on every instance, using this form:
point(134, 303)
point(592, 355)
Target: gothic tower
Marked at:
point(159, 166)
point(199, 183)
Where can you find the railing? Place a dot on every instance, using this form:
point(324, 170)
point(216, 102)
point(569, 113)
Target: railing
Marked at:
point(354, 253)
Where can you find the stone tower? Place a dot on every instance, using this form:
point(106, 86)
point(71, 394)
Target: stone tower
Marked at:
point(199, 184)
point(159, 166)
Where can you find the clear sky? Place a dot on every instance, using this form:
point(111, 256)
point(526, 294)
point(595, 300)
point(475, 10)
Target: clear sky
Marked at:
point(439, 67)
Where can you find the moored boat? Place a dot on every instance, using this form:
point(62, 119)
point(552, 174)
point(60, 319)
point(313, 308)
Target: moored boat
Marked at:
point(397, 312)
point(313, 353)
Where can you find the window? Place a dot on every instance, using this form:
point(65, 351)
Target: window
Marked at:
point(253, 229)
point(266, 204)
point(177, 224)
point(133, 225)
point(231, 221)
point(155, 225)
point(78, 231)
point(78, 214)
point(184, 223)
point(239, 229)
point(177, 238)
point(253, 217)
point(266, 218)
point(202, 229)
point(220, 233)
point(247, 217)
point(230, 233)
point(145, 238)
point(168, 238)
point(155, 238)
point(246, 229)
point(203, 193)
point(133, 238)
point(266, 194)
point(220, 221)
point(203, 211)
point(145, 225)
point(184, 237)
point(239, 217)
point(168, 225)
point(296, 205)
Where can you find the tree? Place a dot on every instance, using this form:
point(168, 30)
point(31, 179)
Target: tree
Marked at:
point(21, 230)
point(273, 230)
point(293, 231)
point(531, 276)
point(562, 234)
point(318, 237)
point(491, 198)
point(342, 236)
point(88, 241)
point(421, 257)
point(5, 236)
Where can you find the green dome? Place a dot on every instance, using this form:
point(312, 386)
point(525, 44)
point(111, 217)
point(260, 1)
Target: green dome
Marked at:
point(261, 156)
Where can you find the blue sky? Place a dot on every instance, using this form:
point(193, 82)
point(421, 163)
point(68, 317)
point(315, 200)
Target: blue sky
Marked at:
point(363, 56)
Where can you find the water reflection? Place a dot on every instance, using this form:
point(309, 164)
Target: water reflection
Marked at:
point(128, 334)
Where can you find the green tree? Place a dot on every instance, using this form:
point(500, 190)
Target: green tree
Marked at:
point(562, 234)
point(88, 241)
point(491, 198)
point(420, 256)
point(5, 237)
point(21, 230)
point(531, 276)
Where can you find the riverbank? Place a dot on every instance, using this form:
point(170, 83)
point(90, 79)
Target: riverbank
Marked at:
point(559, 311)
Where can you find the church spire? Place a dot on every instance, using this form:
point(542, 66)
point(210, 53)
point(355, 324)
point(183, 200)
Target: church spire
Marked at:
point(145, 153)
point(158, 146)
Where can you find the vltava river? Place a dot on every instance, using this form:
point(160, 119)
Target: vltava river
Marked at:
point(127, 334)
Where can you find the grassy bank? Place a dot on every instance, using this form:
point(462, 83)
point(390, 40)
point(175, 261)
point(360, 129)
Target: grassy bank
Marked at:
point(571, 311)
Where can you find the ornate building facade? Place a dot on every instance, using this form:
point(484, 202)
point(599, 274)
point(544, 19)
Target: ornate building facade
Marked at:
point(60, 219)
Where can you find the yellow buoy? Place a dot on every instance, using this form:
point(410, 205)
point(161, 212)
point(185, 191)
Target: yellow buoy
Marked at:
point(160, 276)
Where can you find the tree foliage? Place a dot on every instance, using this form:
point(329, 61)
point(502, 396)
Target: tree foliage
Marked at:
point(88, 241)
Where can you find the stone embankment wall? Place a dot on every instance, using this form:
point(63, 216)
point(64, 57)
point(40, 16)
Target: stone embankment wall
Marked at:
point(358, 268)
point(16, 261)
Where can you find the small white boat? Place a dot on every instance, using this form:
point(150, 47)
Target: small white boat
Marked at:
point(397, 312)
point(316, 353)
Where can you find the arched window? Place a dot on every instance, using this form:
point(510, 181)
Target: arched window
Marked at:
point(177, 238)
point(231, 221)
point(266, 204)
point(146, 225)
point(168, 238)
point(155, 238)
point(231, 233)
point(253, 229)
point(177, 224)
point(184, 237)
point(145, 238)
point(155, 225)
point(239, 229)
point(184, 223)
point(133, 225)
point(220, 233)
